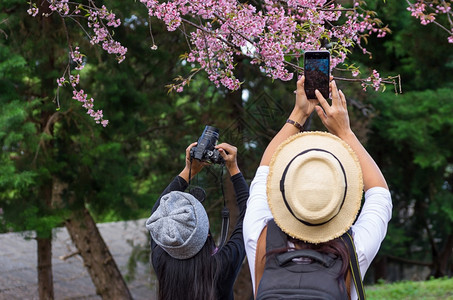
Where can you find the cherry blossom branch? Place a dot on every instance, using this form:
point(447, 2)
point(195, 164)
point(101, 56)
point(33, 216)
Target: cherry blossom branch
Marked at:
point(441, 26)
point(182, 81)
point(273, 33)
point(375, 82)
point(420, 8)
point(154, 46)
point(101, 35)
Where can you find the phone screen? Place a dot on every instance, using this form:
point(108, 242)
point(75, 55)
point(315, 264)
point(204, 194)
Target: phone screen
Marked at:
point(317, 73)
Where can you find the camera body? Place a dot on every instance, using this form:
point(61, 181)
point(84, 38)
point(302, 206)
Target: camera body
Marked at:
point(205, 149)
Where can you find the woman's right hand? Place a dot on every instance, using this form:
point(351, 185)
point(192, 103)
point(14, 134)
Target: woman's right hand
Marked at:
point(229, 154)
point(193, 166)
point(305, 105)
point(335, 117)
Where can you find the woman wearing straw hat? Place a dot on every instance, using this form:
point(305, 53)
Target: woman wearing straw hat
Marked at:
point(311, 184)
point(184, 255)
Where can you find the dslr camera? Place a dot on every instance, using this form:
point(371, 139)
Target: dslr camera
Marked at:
point(204, 150)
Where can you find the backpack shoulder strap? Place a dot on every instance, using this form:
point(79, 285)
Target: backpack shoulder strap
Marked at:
point(276, 238)
point(271, 237)
point(260, 257)
point(354, 264)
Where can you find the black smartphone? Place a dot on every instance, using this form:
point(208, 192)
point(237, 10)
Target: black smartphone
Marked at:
point(317, 73)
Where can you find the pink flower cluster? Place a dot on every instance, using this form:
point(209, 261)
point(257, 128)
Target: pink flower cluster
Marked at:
point(33, 11)
point(274, 36)
point(101, 21)
point(95, 19)
point(61, 6)
point(88, 104)
point(418, 11)
point(427, 12)
point(77, 57)
point(74, 80)
point(80, 95)
point(101, 32)
point(61, 81)
point(374, 81)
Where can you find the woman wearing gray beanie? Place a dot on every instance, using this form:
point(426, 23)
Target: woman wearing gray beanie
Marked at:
point(184, 255)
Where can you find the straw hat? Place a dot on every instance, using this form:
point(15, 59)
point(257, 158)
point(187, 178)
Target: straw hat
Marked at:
point(314, 187)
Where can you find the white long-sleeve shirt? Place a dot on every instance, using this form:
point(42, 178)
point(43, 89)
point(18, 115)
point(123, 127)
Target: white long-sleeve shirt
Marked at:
point(369, 229)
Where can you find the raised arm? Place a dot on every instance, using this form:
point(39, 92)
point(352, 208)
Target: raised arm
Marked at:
point(241, 189)
point(193, 166)
point(181, 181)
point(301, 111)
point(335, 118)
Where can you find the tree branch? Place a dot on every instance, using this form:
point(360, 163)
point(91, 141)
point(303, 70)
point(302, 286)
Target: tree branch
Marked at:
point(409, 261)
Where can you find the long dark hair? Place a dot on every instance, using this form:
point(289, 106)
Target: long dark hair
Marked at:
point(192, 279)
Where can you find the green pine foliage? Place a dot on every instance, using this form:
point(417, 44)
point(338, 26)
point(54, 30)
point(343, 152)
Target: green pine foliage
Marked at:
point(419, 122)
point(416, 157)
point(410, 135)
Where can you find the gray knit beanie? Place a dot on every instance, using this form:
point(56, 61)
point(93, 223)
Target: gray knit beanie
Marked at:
point(179, 225)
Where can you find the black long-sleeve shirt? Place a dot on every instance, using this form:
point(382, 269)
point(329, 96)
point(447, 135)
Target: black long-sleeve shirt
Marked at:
point(232, 254)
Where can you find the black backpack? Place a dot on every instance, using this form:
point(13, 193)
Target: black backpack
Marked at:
point(304, 274)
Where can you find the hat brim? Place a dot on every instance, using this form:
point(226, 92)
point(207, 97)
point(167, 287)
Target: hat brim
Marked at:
point(351, 206)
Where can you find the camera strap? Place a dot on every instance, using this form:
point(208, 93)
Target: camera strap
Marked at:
point(225, 216)
point(225, 210)
point(196, 191)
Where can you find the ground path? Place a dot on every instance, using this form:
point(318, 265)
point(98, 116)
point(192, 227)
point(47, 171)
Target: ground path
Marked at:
point(18, 261)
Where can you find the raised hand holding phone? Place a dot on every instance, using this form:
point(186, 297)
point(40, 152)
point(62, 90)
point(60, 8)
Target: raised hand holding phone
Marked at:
point(317, 73)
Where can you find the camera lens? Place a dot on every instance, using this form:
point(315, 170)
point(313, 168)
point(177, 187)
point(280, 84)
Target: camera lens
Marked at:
point(211, 132)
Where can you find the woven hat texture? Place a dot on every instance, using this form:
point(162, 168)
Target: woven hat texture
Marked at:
point(314, 186)
point(180, 225)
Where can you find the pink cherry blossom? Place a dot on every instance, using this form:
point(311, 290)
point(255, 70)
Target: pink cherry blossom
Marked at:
point(33, 11)
point(274, 36)
point(428, 11)
point(88, 104)
point(98, 25)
